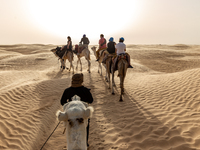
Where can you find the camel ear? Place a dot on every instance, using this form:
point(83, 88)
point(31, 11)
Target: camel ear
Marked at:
point(88, 112)
point(84, 103)
point(62, 116)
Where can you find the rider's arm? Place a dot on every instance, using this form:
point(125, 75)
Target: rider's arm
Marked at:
point(89, 97)
point(81, 40)
point(69, 42)
point(65, 97)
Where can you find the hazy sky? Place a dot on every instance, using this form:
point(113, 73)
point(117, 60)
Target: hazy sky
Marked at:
point(138, 21)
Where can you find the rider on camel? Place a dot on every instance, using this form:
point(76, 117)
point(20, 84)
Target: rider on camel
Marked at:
point(85, 41)
point(81, 46)
point(110, 49)
point(66, 48)
point(102, 45)
point(121, 49)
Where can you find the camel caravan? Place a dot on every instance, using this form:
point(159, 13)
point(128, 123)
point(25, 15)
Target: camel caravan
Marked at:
point(111, 56)
point(76, 99)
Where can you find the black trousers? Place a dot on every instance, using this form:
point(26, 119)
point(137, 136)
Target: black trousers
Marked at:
point(88, 130)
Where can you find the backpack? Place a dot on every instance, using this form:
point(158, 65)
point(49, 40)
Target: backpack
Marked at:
point(76, 48)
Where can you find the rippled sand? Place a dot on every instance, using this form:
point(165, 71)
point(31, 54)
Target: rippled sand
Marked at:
point(161, 108)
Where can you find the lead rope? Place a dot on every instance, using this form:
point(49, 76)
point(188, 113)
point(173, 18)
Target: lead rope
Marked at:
point(49, 136)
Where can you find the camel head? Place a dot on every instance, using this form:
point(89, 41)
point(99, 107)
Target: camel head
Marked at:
point(53, 50)
point(75, 117)
point(94, 49)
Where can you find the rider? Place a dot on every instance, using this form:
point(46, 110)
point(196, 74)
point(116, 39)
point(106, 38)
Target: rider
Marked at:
point(77, 89)
point(121, 49)
point(67, 47)
point(110, 49)
point(85, 41)
point(111, 46)
point(102, 45)
point(85, 44)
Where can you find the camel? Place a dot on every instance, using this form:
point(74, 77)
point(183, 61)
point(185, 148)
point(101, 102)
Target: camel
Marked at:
point(85, 52)
point(109, 70)
point(68, 56)
point(122, 69)
point(75, 117)
point(100, 61)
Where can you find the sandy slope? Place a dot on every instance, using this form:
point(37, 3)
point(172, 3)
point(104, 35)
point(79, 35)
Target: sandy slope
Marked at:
point(160, 109)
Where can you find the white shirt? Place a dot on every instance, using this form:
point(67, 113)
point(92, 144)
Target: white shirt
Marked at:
point(120, 48)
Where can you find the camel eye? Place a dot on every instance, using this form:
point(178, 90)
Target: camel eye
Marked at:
point(80, 120)
point(70, 122)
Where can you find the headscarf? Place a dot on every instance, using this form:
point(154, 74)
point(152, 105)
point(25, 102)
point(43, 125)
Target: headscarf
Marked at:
point(77, 80)
point(111, 39)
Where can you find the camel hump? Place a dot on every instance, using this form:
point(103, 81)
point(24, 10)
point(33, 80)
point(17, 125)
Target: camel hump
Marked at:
point(76, 98)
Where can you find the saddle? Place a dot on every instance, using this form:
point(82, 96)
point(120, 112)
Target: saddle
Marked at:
point(81, 48)
point(108, 55)
point(119, 57)
point(61, 53)
point(78, 49)
point(101, 52)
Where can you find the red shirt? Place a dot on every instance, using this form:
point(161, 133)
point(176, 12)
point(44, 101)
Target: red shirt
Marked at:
point(101, 42)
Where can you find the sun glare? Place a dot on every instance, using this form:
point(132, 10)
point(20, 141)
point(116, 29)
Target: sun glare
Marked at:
point(78, 17)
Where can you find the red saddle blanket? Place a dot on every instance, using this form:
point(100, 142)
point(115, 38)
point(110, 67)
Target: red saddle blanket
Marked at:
point(122, 56)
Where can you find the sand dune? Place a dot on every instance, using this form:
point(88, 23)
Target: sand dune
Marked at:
point(161, 108)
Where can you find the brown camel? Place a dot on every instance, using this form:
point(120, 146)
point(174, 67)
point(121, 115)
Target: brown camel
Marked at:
point(67, 55)
point(99, 61)
point(122, 68)
point(109, 70)
point(86, 53)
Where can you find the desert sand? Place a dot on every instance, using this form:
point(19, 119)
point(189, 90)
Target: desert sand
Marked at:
point(160, 111)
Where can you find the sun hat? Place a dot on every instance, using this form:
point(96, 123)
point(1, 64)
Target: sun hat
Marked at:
point(111, 39)
point(122, 38)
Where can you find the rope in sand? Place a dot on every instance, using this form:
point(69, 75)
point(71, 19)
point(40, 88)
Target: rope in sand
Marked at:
point(49, 136)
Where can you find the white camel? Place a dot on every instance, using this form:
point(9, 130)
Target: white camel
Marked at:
point(100, 61)
point(75, 117)
point(85, 52)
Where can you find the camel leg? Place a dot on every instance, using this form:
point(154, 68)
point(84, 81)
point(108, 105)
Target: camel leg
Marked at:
point(62, 64)
point(98, 68)
point(121, 100)
point(113, 83)
point(77, 64)
point(81, 65)
point(122, 87)
point(108, 80)
point(88, 65)
point(106, 76)
point(71, 66)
